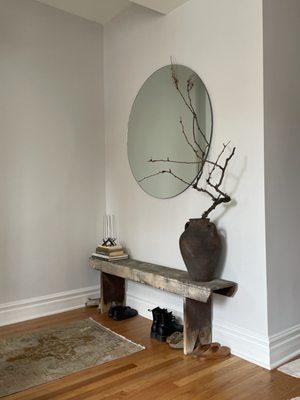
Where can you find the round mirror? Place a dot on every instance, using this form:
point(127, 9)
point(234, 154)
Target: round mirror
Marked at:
point(169, 131)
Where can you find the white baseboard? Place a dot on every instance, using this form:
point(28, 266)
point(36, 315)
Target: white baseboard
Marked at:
point(284, 346)
point(144, 305)
point(36, 307)
point(243, 343)
point(266, 352)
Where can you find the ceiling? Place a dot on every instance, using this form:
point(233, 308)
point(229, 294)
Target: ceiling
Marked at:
point(102, 11)
point(162, 6)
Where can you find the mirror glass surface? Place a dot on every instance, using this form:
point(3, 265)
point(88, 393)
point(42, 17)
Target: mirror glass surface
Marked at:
point(169, 129)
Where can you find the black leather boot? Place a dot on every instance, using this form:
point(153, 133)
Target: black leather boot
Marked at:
point(156, 315)
point(174, 325)
point(167, 326)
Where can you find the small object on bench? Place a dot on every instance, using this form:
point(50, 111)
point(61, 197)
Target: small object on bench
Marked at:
point(109, 230)
point(110, 253)
point(118, 313)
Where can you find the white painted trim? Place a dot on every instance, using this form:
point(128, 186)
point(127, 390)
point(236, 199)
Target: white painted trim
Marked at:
point(284, 346)
point(35, 307)
point(143, 305)
point(267, 352)
point(243, 343)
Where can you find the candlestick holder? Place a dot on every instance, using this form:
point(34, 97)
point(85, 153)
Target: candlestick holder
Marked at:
point(109, 230)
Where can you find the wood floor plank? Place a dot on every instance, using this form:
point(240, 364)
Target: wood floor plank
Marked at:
point(155, 373)
point(124, 382)
point(89, 388)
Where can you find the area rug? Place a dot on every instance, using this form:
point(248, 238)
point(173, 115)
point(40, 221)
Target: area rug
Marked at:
point(291, 368)
point(32, 358)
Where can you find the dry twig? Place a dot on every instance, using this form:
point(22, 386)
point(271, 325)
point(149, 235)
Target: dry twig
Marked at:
point(220, 195)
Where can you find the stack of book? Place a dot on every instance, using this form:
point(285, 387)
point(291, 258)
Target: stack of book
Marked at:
point(110, 253)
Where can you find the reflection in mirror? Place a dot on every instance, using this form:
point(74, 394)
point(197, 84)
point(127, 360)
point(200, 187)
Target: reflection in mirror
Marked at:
point(169, 131)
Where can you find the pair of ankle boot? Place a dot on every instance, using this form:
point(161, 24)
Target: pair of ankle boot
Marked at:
point(164, 324)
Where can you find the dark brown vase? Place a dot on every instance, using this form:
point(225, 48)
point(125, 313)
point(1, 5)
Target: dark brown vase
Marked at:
point(200, 246)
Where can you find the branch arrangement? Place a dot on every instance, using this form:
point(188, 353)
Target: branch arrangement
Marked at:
point(212, 184)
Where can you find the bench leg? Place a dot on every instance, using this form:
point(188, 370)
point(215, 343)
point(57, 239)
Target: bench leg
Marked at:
point(112, 291)
point(197, 324)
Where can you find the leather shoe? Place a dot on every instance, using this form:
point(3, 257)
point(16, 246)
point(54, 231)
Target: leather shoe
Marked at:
point(119, 313)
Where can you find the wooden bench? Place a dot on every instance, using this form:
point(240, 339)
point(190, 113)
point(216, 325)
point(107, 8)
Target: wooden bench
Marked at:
point(197, 308)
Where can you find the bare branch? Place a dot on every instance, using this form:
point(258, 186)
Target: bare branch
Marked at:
point(201, 160)
point(205, 191)
point(164, 171)
point(189, 105)
point(177, 177)
point(150, 176)
point(218, 190)
point(189, 87)
point(225, 166)
point(176, 83)
point(219, 201)
point(167, 160)
point(213, 188)
point(222, 196)
point(186, 138)
point(217, 160)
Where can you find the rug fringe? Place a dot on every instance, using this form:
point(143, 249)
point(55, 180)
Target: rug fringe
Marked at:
point(121, 336)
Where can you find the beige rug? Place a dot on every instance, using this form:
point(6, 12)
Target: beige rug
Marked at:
point(291, 368)
point(32, 358)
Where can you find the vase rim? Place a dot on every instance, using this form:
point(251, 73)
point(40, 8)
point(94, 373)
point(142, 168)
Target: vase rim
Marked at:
point(199, 219)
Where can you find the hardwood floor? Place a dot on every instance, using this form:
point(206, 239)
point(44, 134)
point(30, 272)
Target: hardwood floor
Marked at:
point(157, 372)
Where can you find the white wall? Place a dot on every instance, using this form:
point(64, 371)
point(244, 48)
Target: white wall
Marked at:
point(52, 164)
point(222, 42)
point(51, 153)
point(282, 162)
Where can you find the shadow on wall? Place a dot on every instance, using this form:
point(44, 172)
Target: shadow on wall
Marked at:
point(227, 207)
point(237, 179)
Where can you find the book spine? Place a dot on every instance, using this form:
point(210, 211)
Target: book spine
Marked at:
point(114, 254)
point(107, 258)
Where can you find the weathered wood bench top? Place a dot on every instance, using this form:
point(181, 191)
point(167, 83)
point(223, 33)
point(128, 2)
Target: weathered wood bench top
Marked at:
point(164, 278)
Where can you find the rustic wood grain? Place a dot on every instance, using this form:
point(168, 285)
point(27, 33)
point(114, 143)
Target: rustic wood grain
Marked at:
point(197, 295)
point(197, 324)
point(168, 279)
point(113, 290)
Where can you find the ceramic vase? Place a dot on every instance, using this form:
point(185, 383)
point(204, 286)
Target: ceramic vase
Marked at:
point(201, 246)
